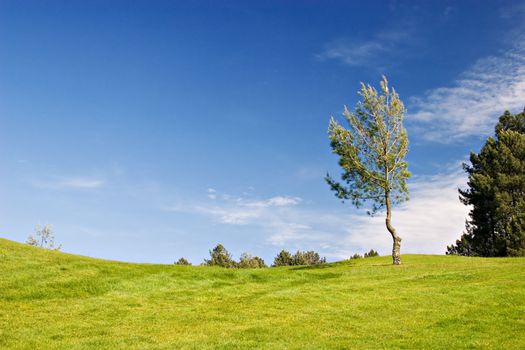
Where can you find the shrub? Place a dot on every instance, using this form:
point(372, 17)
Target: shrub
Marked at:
point(284, 258)
point(307, 258)
point(43, 238)
point(182, 261)
point(355, 256)
point(371, 254)
point(248, 261)
point(220, 257)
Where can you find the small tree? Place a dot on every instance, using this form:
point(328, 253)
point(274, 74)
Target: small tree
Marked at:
point(371, 254)
point(284, 258)
point(183, 261)
point(355, 256)
point(220, 257)
point(247, 261)
point(372, 154)
point(307, 258)
point(44, 238)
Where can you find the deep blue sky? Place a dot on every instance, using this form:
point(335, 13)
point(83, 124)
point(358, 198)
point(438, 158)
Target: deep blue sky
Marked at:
point(150, 130)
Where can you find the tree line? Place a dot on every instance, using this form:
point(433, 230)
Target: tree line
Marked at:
point(219, 256)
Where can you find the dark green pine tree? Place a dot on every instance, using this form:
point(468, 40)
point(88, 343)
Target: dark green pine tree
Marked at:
point(497, 194)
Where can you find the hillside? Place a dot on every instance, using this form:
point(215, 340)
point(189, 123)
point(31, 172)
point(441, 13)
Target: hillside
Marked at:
point(52, 300)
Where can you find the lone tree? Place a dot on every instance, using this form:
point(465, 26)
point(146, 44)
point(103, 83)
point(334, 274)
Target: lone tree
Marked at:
point(496, 181)
point(372, 154)
point(219, 256)
point(43, 238)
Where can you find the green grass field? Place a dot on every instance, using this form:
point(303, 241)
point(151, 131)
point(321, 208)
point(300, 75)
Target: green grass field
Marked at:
point(52, 300)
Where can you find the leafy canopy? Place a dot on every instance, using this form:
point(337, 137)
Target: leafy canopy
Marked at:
point(372, 150)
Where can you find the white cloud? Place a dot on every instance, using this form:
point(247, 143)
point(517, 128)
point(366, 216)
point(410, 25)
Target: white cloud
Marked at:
point(233, 210)
point(70, 183)
point(277, 201)
point(475, 101)
point(431, 220)
point(368, 52)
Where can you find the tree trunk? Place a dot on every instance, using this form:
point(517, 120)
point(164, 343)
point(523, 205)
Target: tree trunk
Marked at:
point(396, 247)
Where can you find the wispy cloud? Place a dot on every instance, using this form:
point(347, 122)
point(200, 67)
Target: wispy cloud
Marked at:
point(233, 210)
point(429, 222)
point(373, 51)
point(70, 183)
point(471, 106)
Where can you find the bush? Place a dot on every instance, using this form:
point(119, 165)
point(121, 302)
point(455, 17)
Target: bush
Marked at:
point(220, 257)
point(284, 258)
point(307, 258)
point(43, 238)
point(182, 261)
point(371, 254)
point(248, 261)
point(355, 256)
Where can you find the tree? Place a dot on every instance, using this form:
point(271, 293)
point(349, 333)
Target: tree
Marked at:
point(372, 253)
point(307, 258)
point(496, 181)
point(284, 258)
point(183, 261)
point(220, 257)
point(248, 261)
point(43, 238)
point(372, 155)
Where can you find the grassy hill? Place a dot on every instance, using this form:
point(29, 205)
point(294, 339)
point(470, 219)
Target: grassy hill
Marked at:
point(52, 300)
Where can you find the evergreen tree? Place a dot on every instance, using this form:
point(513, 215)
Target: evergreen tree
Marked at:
point(284, 258)
point(372, 154)
point(183, 261)
point(219, 256)
point(497, 194)
point(371, 254)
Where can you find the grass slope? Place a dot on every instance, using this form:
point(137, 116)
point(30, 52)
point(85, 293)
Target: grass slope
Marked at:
point(52, 300)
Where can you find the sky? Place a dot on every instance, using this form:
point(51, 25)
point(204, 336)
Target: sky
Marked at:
point(144, 131)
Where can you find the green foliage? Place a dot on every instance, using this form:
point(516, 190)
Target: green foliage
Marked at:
point(371, 254)
point(284, 258)
point(43, 238)
point(496, 225)
point(372, 155)
point(372, 151)
point(219, 256)
point(52, 300)
point(307, 258)
point(247, 261)
point(356, 256)
point(183, 261)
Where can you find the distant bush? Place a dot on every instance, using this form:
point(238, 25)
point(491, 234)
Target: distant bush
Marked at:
point(355, 256)
point(371, 254)
point(284, 258)
point(248, 261)
point(219, 256)
point(43, 238)
point(182, 261)
point(308, 258)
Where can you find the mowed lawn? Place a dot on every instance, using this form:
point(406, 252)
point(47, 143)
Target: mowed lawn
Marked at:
point(52, 300)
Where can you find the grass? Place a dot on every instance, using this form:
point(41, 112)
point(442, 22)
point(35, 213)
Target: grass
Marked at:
point(52, 300)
